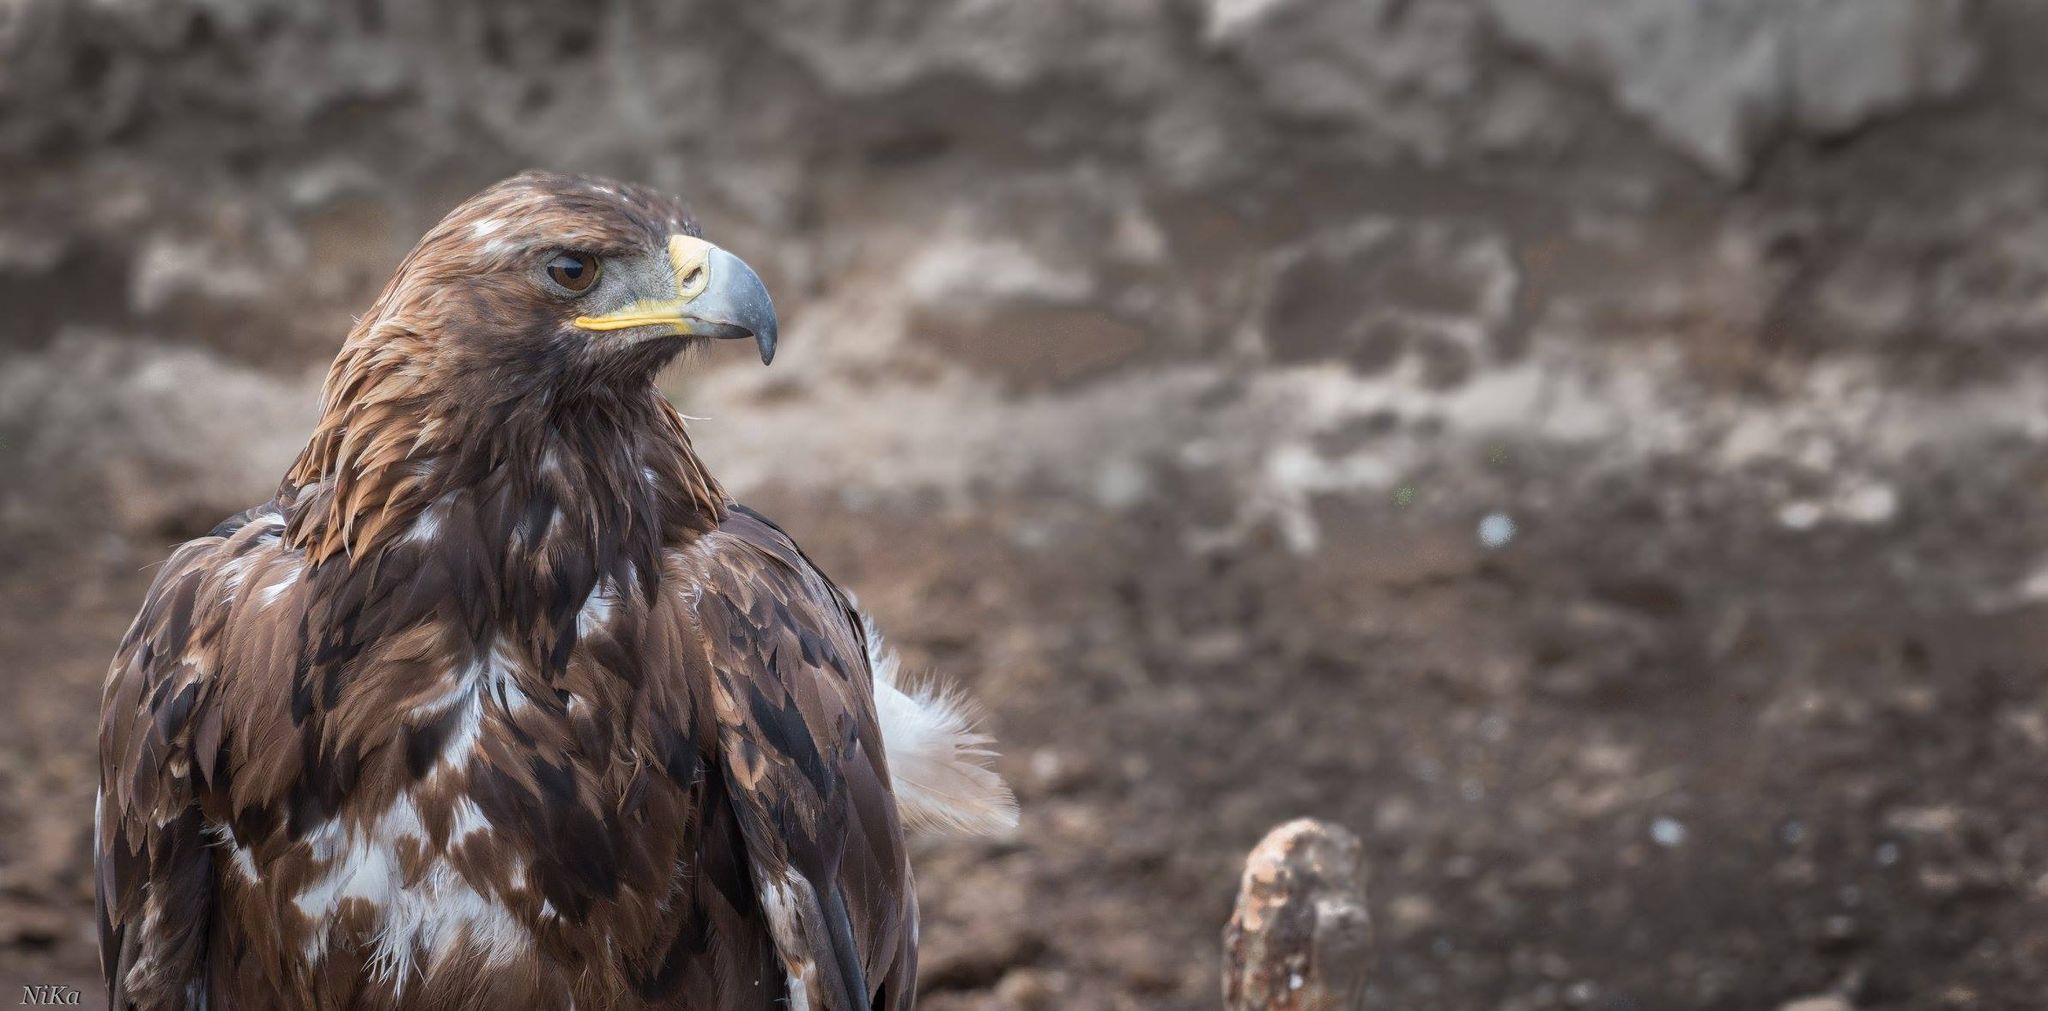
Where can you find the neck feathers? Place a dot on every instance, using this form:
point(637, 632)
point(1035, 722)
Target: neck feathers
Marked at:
point(612, 473)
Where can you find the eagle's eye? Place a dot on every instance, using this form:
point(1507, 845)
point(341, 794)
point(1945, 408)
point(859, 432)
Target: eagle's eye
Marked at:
point(574, 271)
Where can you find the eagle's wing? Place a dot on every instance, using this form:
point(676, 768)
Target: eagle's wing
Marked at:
point(802, 757)
point(160, 754)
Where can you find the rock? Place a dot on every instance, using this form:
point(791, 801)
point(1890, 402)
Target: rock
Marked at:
point(969, 271)
point(1300, 939)
point(1719, 79)
point(869, 47)
point(1384, 67)
point(1380, 292)
point(1017, 286)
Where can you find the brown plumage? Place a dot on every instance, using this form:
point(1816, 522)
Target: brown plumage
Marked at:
point(500, 703)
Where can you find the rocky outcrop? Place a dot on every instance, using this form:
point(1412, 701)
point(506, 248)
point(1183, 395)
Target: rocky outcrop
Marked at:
point(1514, 428)
point(1721, 79)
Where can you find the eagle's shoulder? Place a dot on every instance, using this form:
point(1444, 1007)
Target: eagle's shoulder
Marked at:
point(205, 614)
point(939, 759)
point(162, 732)
point(749, 545)
point(774, 621)
point(801, 753)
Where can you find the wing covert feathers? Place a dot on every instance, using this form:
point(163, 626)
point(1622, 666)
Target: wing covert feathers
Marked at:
point(803, 756)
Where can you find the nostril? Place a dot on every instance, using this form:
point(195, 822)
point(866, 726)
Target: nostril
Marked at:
point(690, 279)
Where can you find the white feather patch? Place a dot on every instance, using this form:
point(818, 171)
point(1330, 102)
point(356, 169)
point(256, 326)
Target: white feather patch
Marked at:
point(790, 903)
point(421, 919)
point(938, 762)
point(429, 915)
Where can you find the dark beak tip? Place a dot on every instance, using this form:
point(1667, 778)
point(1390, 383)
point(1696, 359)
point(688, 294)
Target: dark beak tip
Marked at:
point(739, 301)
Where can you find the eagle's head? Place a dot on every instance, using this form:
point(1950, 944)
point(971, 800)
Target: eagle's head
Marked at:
point(518, 342)
point(556, 284)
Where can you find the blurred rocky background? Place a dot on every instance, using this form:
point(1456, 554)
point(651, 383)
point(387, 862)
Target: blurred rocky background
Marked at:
point(1594, 449)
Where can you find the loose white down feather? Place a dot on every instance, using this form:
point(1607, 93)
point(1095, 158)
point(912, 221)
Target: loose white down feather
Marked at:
point(938, 762)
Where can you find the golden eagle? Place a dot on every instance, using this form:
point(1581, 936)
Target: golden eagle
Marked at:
point(501, 702)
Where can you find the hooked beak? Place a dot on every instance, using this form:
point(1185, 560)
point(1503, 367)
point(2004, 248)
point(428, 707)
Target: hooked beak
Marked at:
point(717, 295)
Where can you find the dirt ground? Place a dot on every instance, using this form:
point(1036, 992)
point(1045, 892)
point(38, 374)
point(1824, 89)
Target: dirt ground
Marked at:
point(1626, 519)
point(1609, 767)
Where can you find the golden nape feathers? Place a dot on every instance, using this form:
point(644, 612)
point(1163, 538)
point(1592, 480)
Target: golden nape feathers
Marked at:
point(500, 701)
